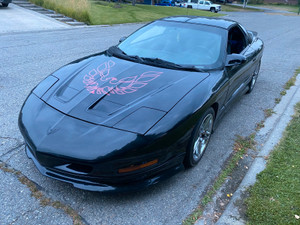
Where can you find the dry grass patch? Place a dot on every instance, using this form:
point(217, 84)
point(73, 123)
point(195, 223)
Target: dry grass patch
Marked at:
point(77, 9)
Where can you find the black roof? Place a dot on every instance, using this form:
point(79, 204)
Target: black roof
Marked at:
point(210, 21)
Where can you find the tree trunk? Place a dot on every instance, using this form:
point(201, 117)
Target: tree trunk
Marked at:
point(245, 3)
point(133, 2)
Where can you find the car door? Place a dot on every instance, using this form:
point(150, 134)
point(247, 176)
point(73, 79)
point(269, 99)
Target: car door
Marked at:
point(206, 5)
point(193, 4)
point(239, 75)
point(200, 5)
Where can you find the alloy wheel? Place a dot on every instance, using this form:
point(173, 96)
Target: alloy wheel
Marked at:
point(202, 140)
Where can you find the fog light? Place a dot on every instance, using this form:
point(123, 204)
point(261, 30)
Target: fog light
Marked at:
point(137, 167)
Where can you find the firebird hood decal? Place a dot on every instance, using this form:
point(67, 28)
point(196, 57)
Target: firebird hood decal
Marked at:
point(126, 85)
point(104, 90)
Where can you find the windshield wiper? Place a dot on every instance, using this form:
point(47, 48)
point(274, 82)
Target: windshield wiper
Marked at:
point(116, 51)
point(169, 65)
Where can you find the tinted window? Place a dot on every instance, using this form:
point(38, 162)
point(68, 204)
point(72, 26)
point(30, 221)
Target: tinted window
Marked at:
point(194, 1)
point(236, 41)
point(180, 43)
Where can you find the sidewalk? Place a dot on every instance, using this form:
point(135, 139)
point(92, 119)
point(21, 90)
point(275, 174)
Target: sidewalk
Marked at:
point(261, 8)
point(273, 130)
point(18, 19)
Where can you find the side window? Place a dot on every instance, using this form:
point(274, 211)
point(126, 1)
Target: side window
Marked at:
point(207, 3)
point(237, 41)
point(201, 2)
point(194, 1)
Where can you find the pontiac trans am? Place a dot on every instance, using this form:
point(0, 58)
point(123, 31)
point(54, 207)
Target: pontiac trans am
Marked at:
point(139, 112)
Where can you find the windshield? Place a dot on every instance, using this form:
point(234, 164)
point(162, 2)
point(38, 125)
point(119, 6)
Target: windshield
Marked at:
point(180, 43)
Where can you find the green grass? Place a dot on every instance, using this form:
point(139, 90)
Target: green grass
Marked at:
point(102, 12)
point(275, 197)
point(108, 13)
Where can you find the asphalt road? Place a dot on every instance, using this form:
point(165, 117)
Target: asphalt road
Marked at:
point(28, 57)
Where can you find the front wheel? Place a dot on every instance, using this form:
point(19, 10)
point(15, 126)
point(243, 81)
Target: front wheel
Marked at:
point(254, 78)
point(4, 4)
point(189, 6)
point(213, 10)
point(200, 138)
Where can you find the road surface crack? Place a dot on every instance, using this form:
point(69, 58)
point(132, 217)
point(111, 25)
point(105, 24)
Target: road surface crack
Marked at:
point(39, 195)
point(23, 214)
point(19, 143)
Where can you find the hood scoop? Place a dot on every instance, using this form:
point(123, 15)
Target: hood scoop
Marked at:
point(103, 107)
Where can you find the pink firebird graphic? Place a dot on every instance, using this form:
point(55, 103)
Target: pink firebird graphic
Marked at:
point(99, 82)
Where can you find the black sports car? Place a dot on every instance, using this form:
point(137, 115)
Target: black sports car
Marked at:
point(133, 115)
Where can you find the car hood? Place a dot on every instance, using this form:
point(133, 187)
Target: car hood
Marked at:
point(106, 90)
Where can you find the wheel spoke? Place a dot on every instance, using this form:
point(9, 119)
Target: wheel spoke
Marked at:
point(205, 130)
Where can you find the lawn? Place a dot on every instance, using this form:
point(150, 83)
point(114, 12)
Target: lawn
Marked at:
point(102, 12)
point(109, 13)
point(275, 197)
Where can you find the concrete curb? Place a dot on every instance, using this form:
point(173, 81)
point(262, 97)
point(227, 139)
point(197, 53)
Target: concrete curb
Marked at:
point(273, 131)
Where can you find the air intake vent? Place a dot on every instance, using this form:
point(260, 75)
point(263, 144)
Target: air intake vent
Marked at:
point(80, 168)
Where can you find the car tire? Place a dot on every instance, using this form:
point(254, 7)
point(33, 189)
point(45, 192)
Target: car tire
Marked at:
point(189, 7)
point(5, 4)
point(254, 78)
point(200, 138)
point(213, 10)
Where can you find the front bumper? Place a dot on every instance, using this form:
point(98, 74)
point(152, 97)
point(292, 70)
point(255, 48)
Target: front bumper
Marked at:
point(151, 177)
point(88, 155)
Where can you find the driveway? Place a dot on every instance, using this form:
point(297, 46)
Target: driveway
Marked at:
point(17, 19)
point(29, 57)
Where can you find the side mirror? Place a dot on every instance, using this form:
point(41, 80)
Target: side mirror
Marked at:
point(235, 59)
point(250, 36)
point(122, 39)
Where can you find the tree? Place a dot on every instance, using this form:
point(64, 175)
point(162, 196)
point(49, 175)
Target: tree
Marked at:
point(245, 3)
point(133, 2)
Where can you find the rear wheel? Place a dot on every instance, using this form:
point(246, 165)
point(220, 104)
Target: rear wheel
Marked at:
point(213, 10)
point(200, 138)
point(4, 4)
point(254, 78)
point(189, 6)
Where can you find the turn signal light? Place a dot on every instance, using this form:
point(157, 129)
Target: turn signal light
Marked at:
point(137, 167)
